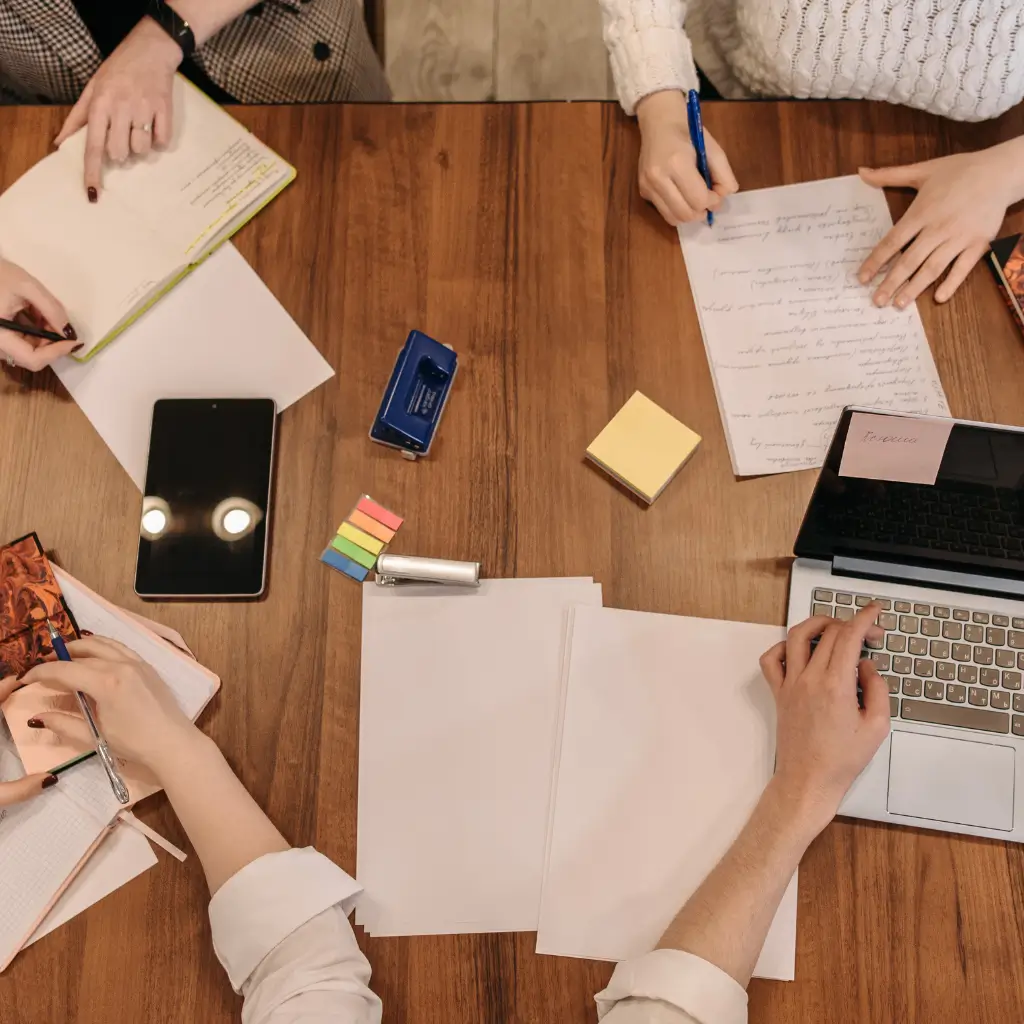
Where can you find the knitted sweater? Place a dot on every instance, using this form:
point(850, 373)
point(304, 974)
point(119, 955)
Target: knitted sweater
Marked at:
point(963, 59)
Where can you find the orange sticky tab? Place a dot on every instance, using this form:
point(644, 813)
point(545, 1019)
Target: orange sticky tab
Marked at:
point(371, 526)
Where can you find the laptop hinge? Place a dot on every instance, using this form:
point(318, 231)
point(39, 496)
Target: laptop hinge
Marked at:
point(925, 576)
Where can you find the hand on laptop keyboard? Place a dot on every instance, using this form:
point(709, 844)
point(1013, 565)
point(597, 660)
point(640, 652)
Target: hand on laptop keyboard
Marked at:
point(824, 738)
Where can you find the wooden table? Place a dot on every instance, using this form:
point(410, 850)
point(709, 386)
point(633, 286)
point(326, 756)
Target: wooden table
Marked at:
point(515, 233)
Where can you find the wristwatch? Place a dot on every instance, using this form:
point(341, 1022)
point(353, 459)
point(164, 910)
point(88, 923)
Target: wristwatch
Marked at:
point(174, 25)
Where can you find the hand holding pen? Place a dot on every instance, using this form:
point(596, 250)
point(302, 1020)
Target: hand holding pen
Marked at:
point(34, 328)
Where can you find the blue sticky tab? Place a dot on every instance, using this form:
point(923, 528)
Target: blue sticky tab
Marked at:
point(336, 560)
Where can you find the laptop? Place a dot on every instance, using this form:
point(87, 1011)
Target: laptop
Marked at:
point(946, 560)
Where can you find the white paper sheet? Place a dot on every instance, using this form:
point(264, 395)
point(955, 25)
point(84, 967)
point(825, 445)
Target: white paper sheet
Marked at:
point(220, 333)
point(458, 716)
point(667, 743)
point(791, 335)
point(123, 856)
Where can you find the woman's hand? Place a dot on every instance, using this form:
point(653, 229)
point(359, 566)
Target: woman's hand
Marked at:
point(24, 299)
point(668, 163)
point(824, 739)
point(959, 208)
point(135, 711)
point(127, 105)
point(31, 785)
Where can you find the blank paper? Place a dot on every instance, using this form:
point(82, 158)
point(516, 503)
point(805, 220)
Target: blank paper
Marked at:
point(460, 698)
point(667, 743)
point(792, 337)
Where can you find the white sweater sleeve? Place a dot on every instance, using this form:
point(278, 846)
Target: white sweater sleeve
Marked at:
point(647, 47)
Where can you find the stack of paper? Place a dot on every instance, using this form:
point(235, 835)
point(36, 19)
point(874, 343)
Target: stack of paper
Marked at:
point(668, 739)
point(459, 711)
point(791, 335)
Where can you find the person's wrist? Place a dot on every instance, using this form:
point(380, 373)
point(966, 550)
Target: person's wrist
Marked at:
point(159, 43)
point(177, 746)
point(1006, 160)
point(659, 107)
point(801, 808)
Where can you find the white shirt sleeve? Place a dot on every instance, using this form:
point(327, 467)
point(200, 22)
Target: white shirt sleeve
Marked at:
point(280, 930)
point(671, 987)
point(647, 47)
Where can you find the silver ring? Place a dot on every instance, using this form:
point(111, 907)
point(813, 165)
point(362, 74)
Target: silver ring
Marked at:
point(10, 361)
point(147, 128)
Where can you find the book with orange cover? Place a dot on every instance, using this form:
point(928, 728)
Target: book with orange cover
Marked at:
point(1006, 258)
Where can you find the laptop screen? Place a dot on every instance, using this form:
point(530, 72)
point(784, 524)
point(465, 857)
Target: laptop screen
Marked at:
point(971, 519)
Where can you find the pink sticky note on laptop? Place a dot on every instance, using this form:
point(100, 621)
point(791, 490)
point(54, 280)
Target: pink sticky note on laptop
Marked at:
point(907, 449)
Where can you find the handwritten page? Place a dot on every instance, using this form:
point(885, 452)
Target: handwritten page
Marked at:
point(791, 335)
point(901, 448)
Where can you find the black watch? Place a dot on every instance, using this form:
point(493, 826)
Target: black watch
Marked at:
point(174, 25)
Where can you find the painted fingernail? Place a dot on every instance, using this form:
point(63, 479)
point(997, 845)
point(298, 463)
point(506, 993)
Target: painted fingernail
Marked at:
point(35, 723)
point(92, 194)
point(70, 333)
point(78, 347)
point(50, 780)
point(86, 632)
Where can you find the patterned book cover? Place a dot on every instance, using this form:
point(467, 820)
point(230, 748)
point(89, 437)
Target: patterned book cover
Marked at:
point(29, 595)
point(1006, 257)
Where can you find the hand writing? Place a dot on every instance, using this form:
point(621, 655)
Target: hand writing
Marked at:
point(668, 164)
point(824, 739)
point(135, 711)
point(959, 208)
point(127, 105)
point(24, 299)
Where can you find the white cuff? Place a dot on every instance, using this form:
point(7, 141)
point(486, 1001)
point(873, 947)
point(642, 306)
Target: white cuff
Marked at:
point(651, 60)
point(696, 987)
point(260, 906)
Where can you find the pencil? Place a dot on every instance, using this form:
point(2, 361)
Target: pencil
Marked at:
point(32, 332)
point(61, 768)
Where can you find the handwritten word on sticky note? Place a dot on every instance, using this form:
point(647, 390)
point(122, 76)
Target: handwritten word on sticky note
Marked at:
point(899, 448)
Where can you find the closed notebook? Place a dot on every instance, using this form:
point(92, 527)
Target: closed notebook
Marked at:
point(643, 447)
point(156, 219)
point(1006, 258)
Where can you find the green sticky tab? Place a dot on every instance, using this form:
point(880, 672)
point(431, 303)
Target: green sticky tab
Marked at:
point(354, 551)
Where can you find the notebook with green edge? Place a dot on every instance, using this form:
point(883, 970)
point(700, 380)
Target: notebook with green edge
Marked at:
point(156, 220)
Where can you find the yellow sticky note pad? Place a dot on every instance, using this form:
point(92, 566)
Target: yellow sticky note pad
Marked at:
point(643, 447)
point(364, 540)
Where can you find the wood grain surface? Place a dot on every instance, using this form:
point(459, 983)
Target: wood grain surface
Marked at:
point(515, 234)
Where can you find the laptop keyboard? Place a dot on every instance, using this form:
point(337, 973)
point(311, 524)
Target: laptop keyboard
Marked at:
point(944, 665)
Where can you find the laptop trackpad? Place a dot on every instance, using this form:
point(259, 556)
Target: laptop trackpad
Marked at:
point(963, 782)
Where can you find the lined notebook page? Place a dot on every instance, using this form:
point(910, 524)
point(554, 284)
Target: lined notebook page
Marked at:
point(42, 842)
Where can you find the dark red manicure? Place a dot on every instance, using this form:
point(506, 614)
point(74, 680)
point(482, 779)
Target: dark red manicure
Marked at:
point(70, 333)
point(78, 347)
point(50, 780)
point(86, 632)
point(35, 723)
point(92, 194)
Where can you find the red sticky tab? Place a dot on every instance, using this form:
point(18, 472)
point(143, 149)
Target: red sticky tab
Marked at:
point(369, 507)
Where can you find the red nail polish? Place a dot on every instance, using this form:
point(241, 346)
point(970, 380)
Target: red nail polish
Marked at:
point(50, 780)
point(92, 193)
point(35, 723)
point(78, 347)
point(86, 632)
point(70, 333)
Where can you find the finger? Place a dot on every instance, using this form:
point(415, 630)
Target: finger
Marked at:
point(8, 686)
point(852, 635)
point(896, 238)
point(694, 192)
point(958, 272)
point(656, 201)
point(922, 247)
point(722, 177)
point(931, 270)
point(78, 118)
point(119, 137)
point(666, 187)
point(28, 357)
point(68, 727)
point(142, 130)
point(103, 648)
point(163, 123)
point(95, 147)
point(24, 789)
point(905, 176)
point(875, 693)
point(46, 303)
point(773, 666)
point(798, 642)
point(74, 676)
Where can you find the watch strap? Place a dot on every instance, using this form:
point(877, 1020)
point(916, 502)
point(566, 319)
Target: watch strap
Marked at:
point(174, 25)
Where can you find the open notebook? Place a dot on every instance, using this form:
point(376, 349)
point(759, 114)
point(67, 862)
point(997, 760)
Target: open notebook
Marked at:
point(45, 842)
point(156, 219)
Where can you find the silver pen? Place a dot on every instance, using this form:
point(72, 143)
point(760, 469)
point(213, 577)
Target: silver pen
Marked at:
point(102, 750)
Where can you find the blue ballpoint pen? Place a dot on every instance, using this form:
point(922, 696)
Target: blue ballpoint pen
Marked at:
point(697, 138)
point(102, 750)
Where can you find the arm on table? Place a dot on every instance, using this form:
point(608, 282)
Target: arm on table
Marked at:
point(705, 958)
point(279, 915)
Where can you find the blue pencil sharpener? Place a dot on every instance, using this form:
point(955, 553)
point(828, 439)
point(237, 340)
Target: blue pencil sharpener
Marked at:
point(416, 396)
